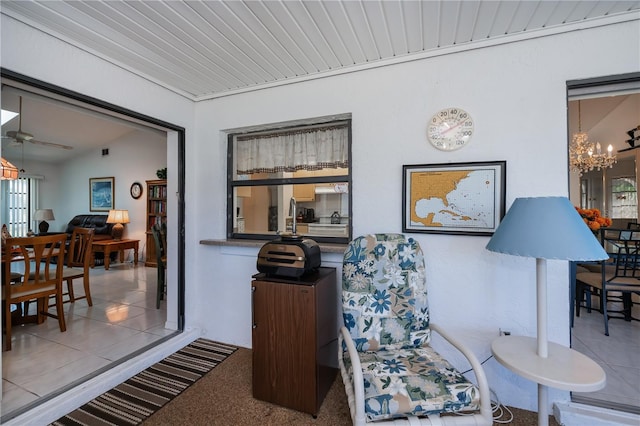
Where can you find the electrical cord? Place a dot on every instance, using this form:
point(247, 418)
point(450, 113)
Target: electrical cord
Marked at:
point(482, 363)
point(500, 410)
point(497, 409)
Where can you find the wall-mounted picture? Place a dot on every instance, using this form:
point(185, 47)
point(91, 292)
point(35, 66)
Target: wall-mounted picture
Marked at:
point(101, 194)
point(453, 198)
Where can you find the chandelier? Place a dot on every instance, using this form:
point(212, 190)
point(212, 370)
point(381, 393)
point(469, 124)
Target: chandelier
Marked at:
point(585, 156)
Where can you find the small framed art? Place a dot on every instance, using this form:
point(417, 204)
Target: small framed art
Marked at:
point(101, 194)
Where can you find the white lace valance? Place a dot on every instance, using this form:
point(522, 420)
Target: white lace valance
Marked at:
point(312, 149)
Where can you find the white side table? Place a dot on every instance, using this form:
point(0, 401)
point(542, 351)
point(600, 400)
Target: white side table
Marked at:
point(563, 368)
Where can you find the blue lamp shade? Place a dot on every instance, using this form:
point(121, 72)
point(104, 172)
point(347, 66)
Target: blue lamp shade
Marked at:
point(546, 228)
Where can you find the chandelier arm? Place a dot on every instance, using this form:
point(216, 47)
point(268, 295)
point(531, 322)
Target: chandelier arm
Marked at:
point(585, 156)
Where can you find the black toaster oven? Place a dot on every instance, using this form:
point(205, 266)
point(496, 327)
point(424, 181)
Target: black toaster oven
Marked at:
point(289, 257)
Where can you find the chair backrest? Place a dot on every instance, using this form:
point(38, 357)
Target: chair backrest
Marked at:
point(79, 254)
point(159, 232)
point(384, 293)
point(37, 258)
point(625, 247)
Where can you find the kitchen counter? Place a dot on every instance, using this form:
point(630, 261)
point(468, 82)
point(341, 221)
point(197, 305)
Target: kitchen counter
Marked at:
point(324, 247)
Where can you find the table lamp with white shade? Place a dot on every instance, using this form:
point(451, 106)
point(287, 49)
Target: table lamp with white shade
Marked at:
point(118, 217)
point(43, 215)
point(546, 228)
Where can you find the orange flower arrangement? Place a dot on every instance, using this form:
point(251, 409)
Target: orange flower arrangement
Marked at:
point(594, 219)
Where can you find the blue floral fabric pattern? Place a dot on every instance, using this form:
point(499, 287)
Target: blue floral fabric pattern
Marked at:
point(385, 309)
point(416, 381)
point(384, 292)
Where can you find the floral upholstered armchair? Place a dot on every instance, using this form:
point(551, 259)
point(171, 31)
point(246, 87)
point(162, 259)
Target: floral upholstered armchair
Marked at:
point(388, 368)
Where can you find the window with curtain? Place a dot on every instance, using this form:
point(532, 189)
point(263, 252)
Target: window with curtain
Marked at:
point(19, 202)
point(309, 163)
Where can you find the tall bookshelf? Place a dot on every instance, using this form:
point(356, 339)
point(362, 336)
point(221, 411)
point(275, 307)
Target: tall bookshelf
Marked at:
point(156, 213)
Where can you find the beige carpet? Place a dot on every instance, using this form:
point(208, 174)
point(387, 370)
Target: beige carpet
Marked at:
point(223, 397)
point(137, 398)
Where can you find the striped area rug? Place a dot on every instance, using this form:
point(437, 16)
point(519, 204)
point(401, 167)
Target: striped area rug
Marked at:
point(131, 402)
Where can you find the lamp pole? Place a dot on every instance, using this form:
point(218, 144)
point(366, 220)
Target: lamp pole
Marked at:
point(543, 346)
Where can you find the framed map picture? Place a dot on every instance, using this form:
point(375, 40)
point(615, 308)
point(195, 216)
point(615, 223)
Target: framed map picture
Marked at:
point(101, 194)
point(453, 198)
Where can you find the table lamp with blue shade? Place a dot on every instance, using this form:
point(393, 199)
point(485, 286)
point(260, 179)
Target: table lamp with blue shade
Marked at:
point(546, 228)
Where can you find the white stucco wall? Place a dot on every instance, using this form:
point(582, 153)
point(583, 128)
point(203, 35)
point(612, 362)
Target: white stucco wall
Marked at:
point(516, 94)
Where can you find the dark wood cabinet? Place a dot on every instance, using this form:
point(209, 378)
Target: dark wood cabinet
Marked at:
point(294, 339)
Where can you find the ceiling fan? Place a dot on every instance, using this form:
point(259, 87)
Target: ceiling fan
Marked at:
point(21, 137)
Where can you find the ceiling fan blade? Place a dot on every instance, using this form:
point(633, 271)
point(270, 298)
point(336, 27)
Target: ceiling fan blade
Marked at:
point(20, 135)
point(55, 145)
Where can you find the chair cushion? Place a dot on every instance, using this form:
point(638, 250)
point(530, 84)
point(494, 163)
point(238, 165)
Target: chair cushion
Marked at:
point(18, 292)
point(595, 267)
point(413, 381)
point(384, 297)
point(580, 269)
point(72, 273)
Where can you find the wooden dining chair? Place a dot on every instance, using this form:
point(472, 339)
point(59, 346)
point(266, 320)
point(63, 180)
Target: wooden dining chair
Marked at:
point(78, 263)
point(159, 232)
point(41, 279)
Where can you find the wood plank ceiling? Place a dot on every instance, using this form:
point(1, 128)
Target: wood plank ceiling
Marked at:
point(205, 49)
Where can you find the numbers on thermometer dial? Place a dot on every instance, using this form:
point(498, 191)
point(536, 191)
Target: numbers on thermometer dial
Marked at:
point(450, 129)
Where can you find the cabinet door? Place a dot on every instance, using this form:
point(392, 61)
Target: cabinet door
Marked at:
point(284, 345)
point(304, 192)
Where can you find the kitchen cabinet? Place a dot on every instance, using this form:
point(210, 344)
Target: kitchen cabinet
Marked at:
point(255, 210)
point(294, 339)
point(305, 192)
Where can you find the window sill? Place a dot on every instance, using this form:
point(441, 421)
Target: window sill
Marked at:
point(324, 247)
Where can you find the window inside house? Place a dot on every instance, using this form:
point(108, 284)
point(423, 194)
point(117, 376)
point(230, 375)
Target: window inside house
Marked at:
point(584, 194)
point(624, 198)
point(309, 163)
point(19, 202)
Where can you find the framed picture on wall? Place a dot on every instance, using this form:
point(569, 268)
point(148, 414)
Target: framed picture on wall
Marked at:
point(453, 198)
point(101, 194)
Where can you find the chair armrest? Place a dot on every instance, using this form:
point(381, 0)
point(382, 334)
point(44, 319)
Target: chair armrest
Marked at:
point(483, 384)
point(355, 393)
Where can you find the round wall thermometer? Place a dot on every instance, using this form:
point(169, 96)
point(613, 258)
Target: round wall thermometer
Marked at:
point(450, 129)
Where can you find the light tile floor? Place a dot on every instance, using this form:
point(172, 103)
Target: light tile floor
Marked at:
point(617, 354)
point(123, 318)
